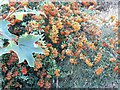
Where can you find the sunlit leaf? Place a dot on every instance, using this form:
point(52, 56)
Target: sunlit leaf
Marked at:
point(1, 43)
point(24, 49)
point(4, 30)
point(19, 16)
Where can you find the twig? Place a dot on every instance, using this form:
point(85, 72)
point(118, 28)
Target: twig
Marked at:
point(0, 17)
point(57, 82)
point(12, 12)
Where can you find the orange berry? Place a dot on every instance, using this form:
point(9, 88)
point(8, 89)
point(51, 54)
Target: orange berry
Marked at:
point(12, 22)
point(12, 16)
point(47, 27)
point(12, 9)
point(84, 2)
point(94, 2)
point(46, 8)
point(75, 63)
point(115, 29)
point(69, 52)
point(57, 71)
point(77, 52)
point(47, 85)
point(112, 59)
point(54, 12)
point(67, 33)
point(79, 20)
point(80, 45)
point(112, 18)
point(88, 63)
point(62, 33)
point(49, 45)
point(76, 26)
point(99, 71)
point(46, 54)
point(63, 52)
point(38, 65)
point(4, 16)
point(68, 23)
point(48, 76)
point(72, 60)
point(62, 57)
point(41, 83)
point(59, 25)
point(69, 44)
point(117, 23)
point(98, 57)
point(116, 69)
point(63, 46)
point(8, 76)
point(57, 74)
point(24, 70)
point(16, 20)
point(11, 3)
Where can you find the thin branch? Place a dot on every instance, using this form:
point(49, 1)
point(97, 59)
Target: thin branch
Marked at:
point(57, 82)
point(0, 17)
point(12, 12)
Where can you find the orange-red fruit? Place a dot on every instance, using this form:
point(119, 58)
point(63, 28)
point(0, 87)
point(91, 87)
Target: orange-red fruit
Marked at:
point(24, 70)
point(41, 83)
point(4, 16)
point(99, 71)
point(49, 45)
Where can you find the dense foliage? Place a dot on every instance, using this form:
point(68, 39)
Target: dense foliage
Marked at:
point(40, 40)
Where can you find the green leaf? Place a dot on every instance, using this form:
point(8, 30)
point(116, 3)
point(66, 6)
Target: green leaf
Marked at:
point(4, 33)
point(24, 49)
point(1, 43)
point(19, 16)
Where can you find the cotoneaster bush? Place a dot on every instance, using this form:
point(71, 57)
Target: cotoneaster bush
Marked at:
point(40, 41)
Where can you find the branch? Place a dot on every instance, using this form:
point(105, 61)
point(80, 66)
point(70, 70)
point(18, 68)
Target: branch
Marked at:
point(12, 12)
point(57, 82)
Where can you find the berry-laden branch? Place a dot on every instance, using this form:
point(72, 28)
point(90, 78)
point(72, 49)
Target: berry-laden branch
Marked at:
point(12, 12)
